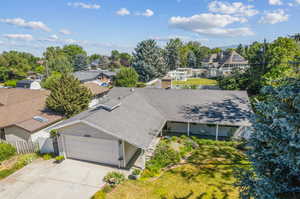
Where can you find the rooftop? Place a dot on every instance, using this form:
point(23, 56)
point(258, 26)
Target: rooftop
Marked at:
point(143, 111)
point(22, 107)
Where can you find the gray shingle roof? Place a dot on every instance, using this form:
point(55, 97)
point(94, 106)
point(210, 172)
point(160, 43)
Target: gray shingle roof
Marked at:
point(143, 111)
point(85, 76)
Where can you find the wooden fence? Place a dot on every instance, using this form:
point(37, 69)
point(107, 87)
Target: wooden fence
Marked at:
point(23, 147)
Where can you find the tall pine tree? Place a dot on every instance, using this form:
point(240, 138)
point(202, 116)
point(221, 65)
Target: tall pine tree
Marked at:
point(275, 146)
point(173, 54)
point(148, 60)
point(68, 97)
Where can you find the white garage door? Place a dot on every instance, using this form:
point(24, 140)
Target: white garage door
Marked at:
point(91, 149)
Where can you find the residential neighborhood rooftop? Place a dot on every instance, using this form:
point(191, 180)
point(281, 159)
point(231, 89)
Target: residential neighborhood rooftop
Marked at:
point(20, 107)
point(142, 112)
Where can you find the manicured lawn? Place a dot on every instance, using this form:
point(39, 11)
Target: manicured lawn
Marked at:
point(196, 81)
point(204, 171)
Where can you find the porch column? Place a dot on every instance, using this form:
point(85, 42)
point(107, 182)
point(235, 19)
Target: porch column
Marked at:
point(124, 158)
point(188, 129)
point(217, 132)
point(143, 159)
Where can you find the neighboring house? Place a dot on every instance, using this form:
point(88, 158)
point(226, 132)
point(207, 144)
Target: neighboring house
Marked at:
point(97, 91)
point(23, 117)
point(87, 76)
point(28, 83)
point(223, 64)
point(104, 77)
point(128, 121)
point(108, 76)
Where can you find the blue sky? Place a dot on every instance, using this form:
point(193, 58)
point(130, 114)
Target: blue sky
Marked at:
point(102, 25)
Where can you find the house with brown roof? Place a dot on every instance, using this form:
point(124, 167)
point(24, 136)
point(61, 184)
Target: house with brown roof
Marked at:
point(224, 63)
point(24, 116)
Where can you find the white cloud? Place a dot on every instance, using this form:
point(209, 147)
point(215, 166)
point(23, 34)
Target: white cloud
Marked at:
point(275, 2)
point(235, 8)
point(27, 24)
point(123, 12)
point(274, 17)
point(147, 13)
point(297, 1)
point(181, 37)
point(84, 5)
point(65, 32)
point(26, 37)
point(211, 24)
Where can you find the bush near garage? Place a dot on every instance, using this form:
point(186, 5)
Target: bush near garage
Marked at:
point(114, 178)
point(6, 151)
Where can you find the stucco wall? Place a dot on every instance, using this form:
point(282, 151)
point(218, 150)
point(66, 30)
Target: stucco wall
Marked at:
point(82, 130)
point(130, 150)
point(14, 133)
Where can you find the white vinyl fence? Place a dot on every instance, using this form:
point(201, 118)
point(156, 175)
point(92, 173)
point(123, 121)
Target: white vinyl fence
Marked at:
point(23, 147)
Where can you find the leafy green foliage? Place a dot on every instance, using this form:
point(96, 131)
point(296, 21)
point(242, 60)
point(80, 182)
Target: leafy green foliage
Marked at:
point(126, 77)
point(68, 96)
point(191, 60)
point(148, 61)
point(269, 63)
point(16, 65)
point(6, 151)
point(50, 81)
point(80, 62)
point(11, 83)
point(164, 156)
point(114, 178)
point(275, 145)
point(172, 54)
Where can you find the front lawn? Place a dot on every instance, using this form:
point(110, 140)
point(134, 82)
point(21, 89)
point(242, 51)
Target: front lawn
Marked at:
point(188, 168)
point(195, 82)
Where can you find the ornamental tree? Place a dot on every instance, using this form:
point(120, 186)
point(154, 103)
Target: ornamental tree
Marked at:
point(275, 145)
point(127, 77)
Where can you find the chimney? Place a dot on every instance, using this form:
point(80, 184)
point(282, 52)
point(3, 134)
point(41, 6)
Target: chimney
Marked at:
point(166, 82)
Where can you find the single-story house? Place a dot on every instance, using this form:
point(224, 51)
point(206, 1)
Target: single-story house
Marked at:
point(97, 91)
point(128, 121)
point(23, 117)
point(28, 83)
point(87, 76)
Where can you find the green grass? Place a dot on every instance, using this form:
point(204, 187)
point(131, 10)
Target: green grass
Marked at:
point(195, 81)
point(205, 172)
point(22, 160)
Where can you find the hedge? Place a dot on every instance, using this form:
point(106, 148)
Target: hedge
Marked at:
point(6, 151)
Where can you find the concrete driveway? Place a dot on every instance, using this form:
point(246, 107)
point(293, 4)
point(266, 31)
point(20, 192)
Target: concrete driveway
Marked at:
point(47, 180)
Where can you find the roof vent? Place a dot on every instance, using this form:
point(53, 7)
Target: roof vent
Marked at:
point(111, 105)
point(132, 89)
point(40, 119)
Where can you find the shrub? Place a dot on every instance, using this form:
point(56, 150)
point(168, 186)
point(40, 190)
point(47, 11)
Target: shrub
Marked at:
point(47, 156)
point(164, 156)
point(136, 172)
point(99, 195)
point(114, 178)
point(6, 151)
point(11, 83)
point(59, 158)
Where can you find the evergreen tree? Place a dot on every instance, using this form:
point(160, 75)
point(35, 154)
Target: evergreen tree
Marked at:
point(68, 97)
point(173, 54)
point(127, 77)
point(191, 60)
point(275, 145)
point(148, 61)
point(80, 62)
point(241, 50)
